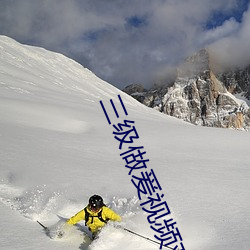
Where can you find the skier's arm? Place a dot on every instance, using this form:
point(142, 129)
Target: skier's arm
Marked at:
point(77, 217)
point(110, 214)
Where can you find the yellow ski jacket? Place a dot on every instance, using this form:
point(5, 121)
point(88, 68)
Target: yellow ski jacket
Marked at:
point(94, 223)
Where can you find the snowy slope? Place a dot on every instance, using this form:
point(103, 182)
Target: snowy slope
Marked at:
point(57, 149)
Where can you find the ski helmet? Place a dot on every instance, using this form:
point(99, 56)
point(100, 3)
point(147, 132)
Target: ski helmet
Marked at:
point(95, 202)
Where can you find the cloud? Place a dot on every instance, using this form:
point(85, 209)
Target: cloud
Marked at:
point(126, 42)
point(228, 28)
point(233, 48)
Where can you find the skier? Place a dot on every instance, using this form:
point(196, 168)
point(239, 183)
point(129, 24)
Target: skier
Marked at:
point(95, 214)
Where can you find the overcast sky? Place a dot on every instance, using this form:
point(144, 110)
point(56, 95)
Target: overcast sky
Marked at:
point(131, 41)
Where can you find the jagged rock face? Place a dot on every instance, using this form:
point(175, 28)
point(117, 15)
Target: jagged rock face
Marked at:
point(204, 102)
point(136, 90)
point(237, 81)
point(199, 97)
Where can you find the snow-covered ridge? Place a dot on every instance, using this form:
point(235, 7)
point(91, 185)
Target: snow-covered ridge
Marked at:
point(34, 66)
point(33, 74)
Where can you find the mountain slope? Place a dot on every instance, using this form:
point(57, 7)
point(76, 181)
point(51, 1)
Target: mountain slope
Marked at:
point(57, 149)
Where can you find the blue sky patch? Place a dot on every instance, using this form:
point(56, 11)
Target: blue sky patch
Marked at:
point(219, 17)
point(136, 21)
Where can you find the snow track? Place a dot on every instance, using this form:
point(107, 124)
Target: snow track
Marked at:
point(8, 194)
point(29, 203)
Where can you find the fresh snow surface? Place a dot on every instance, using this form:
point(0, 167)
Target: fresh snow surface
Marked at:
point(57, 149)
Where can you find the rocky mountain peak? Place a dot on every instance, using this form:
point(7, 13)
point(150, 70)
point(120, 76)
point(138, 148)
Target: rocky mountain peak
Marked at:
point(200, 96)
point(196, 64)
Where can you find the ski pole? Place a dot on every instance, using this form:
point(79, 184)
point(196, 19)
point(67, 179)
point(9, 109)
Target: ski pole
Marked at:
point(146, 238)
point(45, 228)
